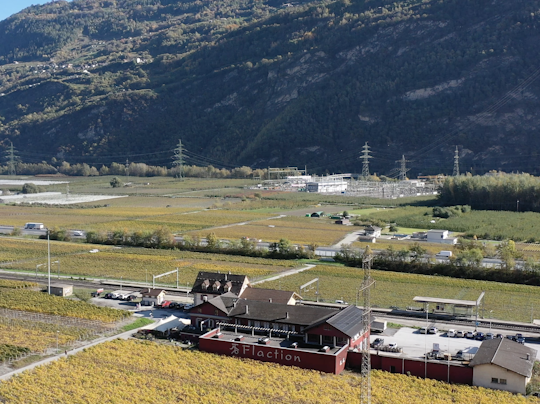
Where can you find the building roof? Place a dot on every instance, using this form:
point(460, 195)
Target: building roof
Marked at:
point(223, 283)
point(269, 295)
point(456, 302)
point(280, 313)
point(506, 354)
point(348, 321)
point(152, 292)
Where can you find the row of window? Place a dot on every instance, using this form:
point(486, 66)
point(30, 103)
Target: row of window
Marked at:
point(498, 381)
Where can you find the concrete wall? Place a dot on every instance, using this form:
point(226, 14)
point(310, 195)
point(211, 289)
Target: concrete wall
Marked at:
point(483, 374)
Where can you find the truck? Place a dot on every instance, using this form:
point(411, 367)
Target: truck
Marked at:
point(34, 226)
point(378, 325)
point(444, 254)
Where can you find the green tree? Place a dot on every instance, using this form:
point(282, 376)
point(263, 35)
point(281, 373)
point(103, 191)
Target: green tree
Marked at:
point(30, 188)
point(212, 242)
point(116, 183)
point(417, 252)
point(507, 253)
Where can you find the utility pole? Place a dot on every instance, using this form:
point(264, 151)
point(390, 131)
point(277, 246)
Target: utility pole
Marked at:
point(365, 384)
point(456, 163)
point(365, 161)
point(178, 158)
point(11, 158)
point(403, 168)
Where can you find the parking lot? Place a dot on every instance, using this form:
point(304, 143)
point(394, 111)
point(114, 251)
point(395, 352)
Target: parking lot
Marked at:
point(143, 311)
point(415, 345)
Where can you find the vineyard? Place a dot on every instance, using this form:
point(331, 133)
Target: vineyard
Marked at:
point(23, 249)
point(118, 371)
point(507, 301)
point(8, 351)
point(38, 302)
point(299, 230)
point(6, 283)
point(137, 264)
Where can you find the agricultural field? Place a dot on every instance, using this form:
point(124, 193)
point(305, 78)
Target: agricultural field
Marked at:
point(140, 264)
point(8, 352)
point(486, 224)
point(301, 230)
point(39, 302)
point(508, 301)
point(6, 283)
point(33, 250)
point(119, 370)
point(32, 337)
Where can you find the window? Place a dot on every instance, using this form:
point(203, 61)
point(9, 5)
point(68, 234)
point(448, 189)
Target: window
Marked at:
point(502, 381)
point(494, 380)
point(257, 324)
point(327, 339)
point(216, 312)
point(199, 310)
point(266, 324)
point(326, 327)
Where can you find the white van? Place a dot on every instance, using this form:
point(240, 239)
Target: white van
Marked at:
point(444, 254)
point(34, 226)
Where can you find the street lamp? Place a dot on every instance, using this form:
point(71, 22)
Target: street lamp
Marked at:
point(425, 342)
point(49, 262)
point(491, 311)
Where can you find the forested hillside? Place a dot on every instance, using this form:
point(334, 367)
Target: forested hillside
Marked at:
point(259, 83)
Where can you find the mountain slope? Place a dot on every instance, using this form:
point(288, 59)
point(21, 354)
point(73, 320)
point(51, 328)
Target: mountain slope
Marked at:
point(265, 83)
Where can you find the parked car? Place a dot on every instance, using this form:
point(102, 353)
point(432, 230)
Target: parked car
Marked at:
point(377, 343)
point(460, 334)
point(433, 330)
point(480, 336)
point(95, 294)
point(423, 330)
point(392, 344)
point(77, 233)
point(499, 336)
point(489, 336)
point(520, 340)
point(108, 296)
point(469, 335)
point(451, 333)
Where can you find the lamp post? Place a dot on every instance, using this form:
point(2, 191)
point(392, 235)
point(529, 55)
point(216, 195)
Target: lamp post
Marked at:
point(491, 311)
point(425, 342)
point(49, 262)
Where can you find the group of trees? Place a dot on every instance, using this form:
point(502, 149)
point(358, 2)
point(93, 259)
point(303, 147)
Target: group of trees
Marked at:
point(163, 238)
point(494, 191)
point(466, 263)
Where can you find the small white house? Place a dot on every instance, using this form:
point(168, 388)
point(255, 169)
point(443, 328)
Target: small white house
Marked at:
point(152, 297)
point(503, 364)
point(440, 236)
point(373, 231)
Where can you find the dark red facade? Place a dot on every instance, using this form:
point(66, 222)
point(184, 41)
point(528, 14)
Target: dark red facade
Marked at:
point(306, 359)
point(455, 373)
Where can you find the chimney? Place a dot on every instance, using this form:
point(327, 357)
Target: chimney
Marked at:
point(528, 357)
point(225, 276)
point(270, 300)
point(247, 309)
point(286, 314)
point(234, 302)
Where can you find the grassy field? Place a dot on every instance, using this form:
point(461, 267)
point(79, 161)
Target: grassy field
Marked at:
point(508, 301)
point(118, 371)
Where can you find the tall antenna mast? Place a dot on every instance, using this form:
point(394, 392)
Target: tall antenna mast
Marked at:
point(365, 161)
point(456, 163)
point(179, 158)
point(11, 158)
point(403, 168)
point(368, 282)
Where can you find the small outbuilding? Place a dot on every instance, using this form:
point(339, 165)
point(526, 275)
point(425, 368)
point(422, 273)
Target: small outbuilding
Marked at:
point(373, 231)
point(440, 236)
point(61, 290)
point(152, 297)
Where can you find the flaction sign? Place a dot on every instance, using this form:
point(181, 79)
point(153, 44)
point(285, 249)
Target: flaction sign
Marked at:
point(259, 353)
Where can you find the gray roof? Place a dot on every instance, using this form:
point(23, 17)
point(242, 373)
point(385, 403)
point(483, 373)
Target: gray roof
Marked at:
point(506, 354)
point(280, 313)
point(268, 295)
point(233, 282)
point(348, 321)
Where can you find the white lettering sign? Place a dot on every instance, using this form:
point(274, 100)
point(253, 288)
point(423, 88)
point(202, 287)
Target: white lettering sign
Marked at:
point(255, 352)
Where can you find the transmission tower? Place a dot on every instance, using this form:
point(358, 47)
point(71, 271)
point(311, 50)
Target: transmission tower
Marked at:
point(11, 159)
point(403, 168)
point(365, 392)
point(456, 163)
point(179, 158)
point(365, 161)
point(127, 170)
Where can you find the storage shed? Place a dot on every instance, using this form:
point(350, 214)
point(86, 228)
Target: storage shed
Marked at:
point(61, 290)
